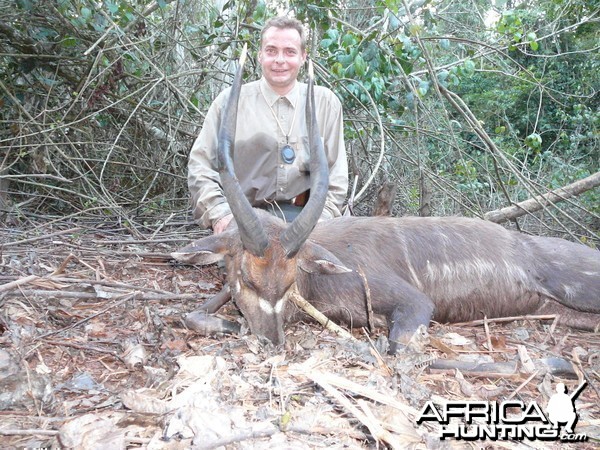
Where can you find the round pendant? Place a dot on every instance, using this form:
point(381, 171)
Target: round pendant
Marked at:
point(288, 155)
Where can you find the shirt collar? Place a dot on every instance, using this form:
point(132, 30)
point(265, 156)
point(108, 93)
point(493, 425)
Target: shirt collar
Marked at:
point(271, 96)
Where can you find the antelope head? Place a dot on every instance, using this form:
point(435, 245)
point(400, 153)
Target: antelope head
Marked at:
point(263, 254)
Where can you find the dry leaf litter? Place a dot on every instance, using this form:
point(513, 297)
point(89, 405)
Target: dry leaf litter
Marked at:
point(94, 354)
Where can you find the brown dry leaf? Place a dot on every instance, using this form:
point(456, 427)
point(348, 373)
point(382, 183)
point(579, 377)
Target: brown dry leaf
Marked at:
point(456, 339)
point(498, 342)
point(484, 392)
point(48, 283)
point(466, 388)
point(178, 345)
point(201, 366)
point(135, 355)
point(145, 401)
point(400, 426)
point(440, 345)
point(96, 329)
point(94, 432)
point(255, 387)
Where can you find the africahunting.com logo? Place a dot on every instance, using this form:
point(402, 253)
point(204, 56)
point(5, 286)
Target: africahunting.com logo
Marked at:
point(508, 420)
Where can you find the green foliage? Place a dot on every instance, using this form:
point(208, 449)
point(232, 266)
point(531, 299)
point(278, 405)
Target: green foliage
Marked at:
point(515, 24)
point(351, 56)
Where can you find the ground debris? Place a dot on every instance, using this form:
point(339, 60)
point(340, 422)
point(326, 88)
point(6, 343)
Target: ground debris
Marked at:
point(95, 353)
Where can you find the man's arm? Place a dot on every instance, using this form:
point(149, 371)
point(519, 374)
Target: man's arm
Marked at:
point(208, 201)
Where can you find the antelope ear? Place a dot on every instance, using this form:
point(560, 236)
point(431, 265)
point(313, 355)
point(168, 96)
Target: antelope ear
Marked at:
point(313, 258)
point(205, 251)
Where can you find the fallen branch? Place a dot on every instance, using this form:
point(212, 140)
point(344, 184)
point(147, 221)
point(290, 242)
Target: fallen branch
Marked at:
point(35, 432)
point(88, 347)
point(39, 238)
point(541, 201)
point(17, 283)
point(477, 369)
point(309, 309)
point(93, 295)
point(558, 367)
point(506, 319)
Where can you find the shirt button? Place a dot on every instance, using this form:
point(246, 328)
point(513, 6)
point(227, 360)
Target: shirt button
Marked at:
point(281, 166)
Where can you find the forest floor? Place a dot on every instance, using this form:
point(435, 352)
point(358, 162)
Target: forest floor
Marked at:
point(94, 354)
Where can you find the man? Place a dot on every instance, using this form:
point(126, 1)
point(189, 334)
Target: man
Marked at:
point(271, 156)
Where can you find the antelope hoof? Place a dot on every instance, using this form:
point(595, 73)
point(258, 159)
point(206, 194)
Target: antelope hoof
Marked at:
point(208, 325)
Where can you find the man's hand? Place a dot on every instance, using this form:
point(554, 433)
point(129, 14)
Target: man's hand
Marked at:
point(221, 224)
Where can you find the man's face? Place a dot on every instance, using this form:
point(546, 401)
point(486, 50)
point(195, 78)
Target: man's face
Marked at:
point(281, 57)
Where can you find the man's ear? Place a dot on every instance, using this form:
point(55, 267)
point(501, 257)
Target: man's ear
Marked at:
point(313, 258)
point(205, 251)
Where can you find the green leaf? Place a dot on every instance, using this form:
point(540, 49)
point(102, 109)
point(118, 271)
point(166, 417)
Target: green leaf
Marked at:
point(349, 40)
point(533, 141)
point(86, 13)
point(337, 69)
point(468, 67)
point(27, 5)
point(415, 29)
point(442, 77)
point(326, 43)
point(360, 66)
point(69, 41)
point(112, 6)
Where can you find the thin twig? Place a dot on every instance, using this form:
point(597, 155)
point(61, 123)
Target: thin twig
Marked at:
point(507, 319)
point(87, 319)
point(369, 305)
point(39, 238)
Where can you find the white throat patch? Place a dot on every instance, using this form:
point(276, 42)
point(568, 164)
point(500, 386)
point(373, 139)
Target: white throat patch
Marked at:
point(266, 307)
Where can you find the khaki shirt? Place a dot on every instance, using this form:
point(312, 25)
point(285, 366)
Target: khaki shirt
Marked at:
point(259, 167)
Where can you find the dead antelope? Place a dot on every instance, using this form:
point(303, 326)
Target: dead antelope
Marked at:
point(417, 269)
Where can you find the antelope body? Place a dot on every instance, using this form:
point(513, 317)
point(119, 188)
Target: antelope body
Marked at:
point(417, 269)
